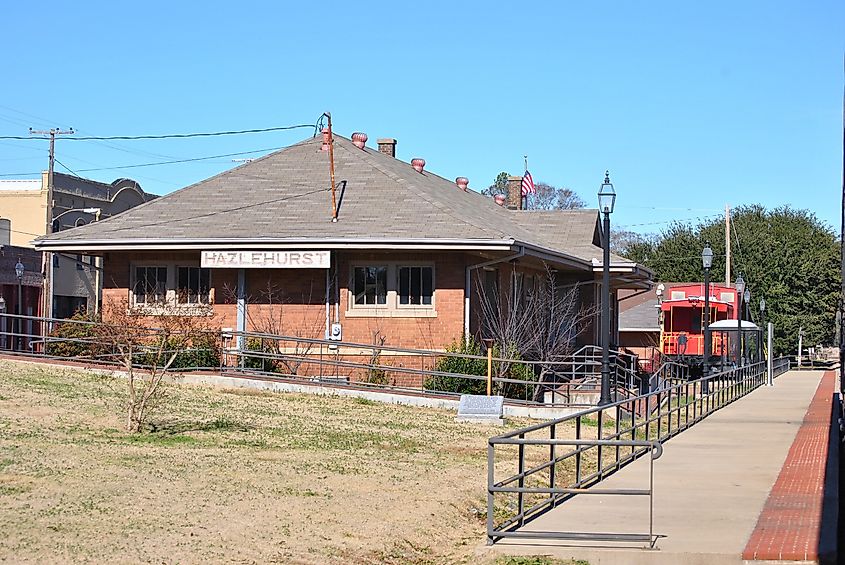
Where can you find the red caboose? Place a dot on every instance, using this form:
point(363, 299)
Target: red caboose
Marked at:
point(682, 317)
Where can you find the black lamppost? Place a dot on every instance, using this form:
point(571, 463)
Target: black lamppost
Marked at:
point(740, 290)
point(764, 329)
point(706, 262)
point(19, 270)
point(2, 323)
point(746, 297)
point(607, 200)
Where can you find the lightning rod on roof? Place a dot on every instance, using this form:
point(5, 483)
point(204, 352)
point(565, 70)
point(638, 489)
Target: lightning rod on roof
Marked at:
point(328, 116)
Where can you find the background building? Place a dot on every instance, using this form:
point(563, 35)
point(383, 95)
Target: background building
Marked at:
point(76, 202)
point(18, 296)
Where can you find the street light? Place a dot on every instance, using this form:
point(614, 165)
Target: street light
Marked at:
point(19, 270)
point(746, 298)
point(740, 291)
point(94, 211)
point(607, 200)
point(764, 329)
point(706, 262)
point(2, 322)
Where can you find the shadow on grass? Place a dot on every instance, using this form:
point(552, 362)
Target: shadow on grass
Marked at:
point(176, 427)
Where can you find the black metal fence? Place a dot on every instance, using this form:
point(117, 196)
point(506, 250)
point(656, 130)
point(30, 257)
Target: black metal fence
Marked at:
point(551, 467)
point(570, 381)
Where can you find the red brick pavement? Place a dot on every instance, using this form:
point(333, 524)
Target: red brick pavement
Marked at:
point(789, 526)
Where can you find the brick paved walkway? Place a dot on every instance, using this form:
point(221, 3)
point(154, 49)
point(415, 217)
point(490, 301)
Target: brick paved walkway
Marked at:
point(789, 526)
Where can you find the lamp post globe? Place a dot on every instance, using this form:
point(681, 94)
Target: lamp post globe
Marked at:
point(607, 195)
point(607, 201)
point(19, 270)
point(707, 256)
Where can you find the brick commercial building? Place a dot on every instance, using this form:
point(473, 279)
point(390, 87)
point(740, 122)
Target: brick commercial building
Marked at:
point(407, 258)
point(74, 280)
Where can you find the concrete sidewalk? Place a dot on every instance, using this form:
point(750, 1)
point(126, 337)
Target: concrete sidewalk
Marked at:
point(711, 485)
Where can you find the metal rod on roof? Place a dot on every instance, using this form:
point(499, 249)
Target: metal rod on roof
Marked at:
point(331, 167)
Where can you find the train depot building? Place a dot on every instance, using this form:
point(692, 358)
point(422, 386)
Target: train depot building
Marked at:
point(406, 257)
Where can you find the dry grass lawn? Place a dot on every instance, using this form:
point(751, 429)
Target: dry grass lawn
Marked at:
point(232, 476)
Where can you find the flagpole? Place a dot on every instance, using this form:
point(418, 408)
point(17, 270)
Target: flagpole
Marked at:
point(525, 157)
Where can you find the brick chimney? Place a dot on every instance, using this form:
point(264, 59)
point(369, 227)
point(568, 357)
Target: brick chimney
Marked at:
point(387, 145)
point(515, 193)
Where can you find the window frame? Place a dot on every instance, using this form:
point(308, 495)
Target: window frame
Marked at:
point(392, 307)
point(353, 292)
point(399, 306)
point(176, 287)
point(171, 303)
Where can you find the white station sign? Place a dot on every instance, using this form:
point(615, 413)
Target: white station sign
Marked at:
point(266, 259)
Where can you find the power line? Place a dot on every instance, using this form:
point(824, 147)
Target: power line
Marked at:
point(226, 211)
point(669, 221)
point(175, 161)
point(68, 169)
point(170, 135)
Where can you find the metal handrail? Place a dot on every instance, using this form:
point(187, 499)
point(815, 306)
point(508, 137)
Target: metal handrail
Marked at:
point(558, 494)
point(300, 358)
point(652, 417)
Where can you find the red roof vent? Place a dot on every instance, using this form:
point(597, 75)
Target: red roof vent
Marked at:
point(462, 183)
point(500, 199)
point(325, 146)
point(359, 139)
point(418, 164)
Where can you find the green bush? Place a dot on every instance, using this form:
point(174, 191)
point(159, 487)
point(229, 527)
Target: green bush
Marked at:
point(464, 366)
point(460, 365)
point(197, 351)
point(259, 363)
point(202, 351)
point(78, 339)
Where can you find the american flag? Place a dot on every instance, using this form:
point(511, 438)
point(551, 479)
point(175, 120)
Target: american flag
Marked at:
point(527, 184)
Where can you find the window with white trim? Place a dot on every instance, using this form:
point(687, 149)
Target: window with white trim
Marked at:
point(416, 285)
point(392, 289)
point(369, 285)
point(150, 285)
point(192, 285)
point(171, 285)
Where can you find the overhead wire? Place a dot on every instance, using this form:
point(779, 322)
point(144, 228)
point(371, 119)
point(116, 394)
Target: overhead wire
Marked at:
point(175, 161)
point(164, 136)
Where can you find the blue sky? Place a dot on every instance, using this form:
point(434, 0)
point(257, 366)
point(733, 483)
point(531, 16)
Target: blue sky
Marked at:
point(690, 105)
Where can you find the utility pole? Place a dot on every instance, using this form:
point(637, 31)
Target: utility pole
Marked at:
point(47, 259)
point(727, 245)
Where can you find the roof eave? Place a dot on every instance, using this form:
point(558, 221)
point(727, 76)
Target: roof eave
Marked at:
point(241, 244)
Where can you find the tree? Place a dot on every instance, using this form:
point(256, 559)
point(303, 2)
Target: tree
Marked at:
point(499, 186)
point(628, 243)
point(536, 319)
point(786, 255)
point(547, 197)
point(147, 345)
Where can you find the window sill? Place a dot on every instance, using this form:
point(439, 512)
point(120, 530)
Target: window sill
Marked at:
point(391, 313)
point(171, 310)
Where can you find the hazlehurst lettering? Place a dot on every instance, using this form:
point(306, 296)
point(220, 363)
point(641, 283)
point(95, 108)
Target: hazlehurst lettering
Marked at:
point(267, 259)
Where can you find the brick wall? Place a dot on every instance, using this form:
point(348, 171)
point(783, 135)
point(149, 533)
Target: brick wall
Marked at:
point(293, 301)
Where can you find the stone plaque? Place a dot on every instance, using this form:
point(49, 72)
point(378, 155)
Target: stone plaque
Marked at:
point(477, 408)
